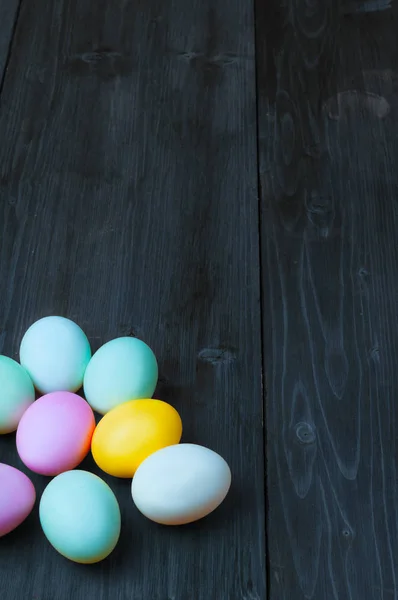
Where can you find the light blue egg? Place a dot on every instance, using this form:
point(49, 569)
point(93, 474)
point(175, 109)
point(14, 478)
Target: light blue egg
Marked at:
point(121, 370)
point(80, 516)
point(16, 394)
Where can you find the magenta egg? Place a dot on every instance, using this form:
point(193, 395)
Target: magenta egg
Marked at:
point(17, 498)
point(54, 434)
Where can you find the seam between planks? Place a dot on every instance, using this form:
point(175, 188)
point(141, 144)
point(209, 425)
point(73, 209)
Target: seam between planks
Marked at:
point(10, 46)
point(261, 289)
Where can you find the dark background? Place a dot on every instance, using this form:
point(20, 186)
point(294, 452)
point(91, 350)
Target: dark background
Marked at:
point(219, 179)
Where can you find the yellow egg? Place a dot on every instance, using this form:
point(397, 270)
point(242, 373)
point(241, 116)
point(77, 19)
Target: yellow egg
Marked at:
point(132, 431)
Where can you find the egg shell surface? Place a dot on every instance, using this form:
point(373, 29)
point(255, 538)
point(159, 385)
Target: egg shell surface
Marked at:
point(121, 370)
point(54, 434)
point(180, 484)
point(55, 351)
point(80, 516)
point(17, 498)
point(132, 431)
point(16, 393)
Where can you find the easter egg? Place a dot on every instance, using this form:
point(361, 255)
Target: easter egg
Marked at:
point(129, 433)
point(80, 516)
point(55, 352)
point(54, 434)
point(16, 393)
point(17, 498)
point(121, 370)
point(180, 484)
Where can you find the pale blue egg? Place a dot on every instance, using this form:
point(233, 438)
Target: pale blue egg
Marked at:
point(80, 516)
point(121, 370)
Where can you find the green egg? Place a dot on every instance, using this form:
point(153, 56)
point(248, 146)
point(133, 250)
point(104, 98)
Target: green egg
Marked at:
point(16, 393)
point(80, 516)
point(121, 370)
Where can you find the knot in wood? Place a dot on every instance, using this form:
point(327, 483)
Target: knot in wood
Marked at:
point(305, 433)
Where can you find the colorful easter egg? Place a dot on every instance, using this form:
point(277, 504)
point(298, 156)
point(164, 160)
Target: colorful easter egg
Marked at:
point(54, 434)
point(129, 433)
point(180, 484)
point(121, 370)
point(17, 498)
point(55, 352)
point(16, 393)
point(80, 516)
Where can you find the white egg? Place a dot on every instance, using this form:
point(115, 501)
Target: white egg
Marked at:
point(55, 352)
point(180, 484)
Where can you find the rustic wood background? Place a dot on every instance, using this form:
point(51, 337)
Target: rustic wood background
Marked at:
point(219, 179)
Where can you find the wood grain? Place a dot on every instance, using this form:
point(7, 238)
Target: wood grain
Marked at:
point(8, 15)
point(328, 145)
point(128, 203)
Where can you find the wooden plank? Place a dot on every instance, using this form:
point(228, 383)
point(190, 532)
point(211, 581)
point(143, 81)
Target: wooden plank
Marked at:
point(8, 15)
point(329, 146)
point(128, 185)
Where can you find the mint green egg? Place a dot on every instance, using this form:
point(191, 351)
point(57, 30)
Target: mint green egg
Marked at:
point(16, 393)
point(121, 370)
point(80, 516)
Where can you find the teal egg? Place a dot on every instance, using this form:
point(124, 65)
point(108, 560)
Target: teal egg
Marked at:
point(16, 393)
point(121, 370)
point(80, 516)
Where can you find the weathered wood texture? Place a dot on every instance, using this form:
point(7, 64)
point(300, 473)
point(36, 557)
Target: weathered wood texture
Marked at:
point(128, 190)
point(8, 15)
point(328, 126)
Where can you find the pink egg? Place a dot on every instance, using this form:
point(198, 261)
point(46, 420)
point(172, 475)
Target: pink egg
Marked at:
point(54, 434)
point(17, 498)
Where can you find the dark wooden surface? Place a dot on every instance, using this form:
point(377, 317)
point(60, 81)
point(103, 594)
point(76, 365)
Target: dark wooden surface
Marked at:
point(328, 127)
point(128, 185)
point(145, 189)
point(8, 16)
